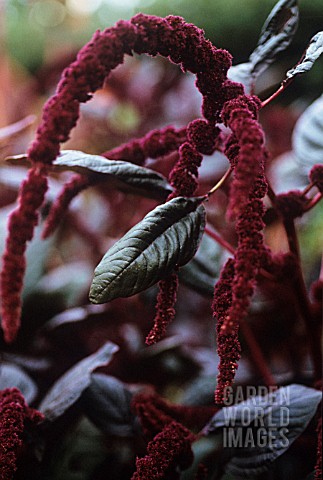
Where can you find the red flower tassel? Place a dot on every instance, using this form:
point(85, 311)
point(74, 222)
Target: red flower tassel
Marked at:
point(21, 226)
point(76, 185)
point(228, 345)
point(165, 310)
point(183, 43)
point(13, 414)
point(168, 451)
point(318, 466)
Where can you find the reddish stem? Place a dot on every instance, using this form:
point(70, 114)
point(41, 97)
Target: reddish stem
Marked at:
point(213, 234)
point(256, 354)
point(282, 87)
point(314, 201)
point(308, 188)
point(299, 289)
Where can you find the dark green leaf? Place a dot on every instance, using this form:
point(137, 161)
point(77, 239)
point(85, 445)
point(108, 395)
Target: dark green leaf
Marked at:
point(166, 238)
point(106, 402)
point(308, 135)
point(264, 426)
point(67, 389)
point(313, 52)
point(125, 176)
point(13, 376)
point(276, 34)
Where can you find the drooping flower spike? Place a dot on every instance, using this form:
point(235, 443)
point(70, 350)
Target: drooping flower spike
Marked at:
point(228, 344)
point(154, 413)
point(169, 451)
point(14, 413)
point(247, 191)
point(246, 152)
point(167, 427)
point(171, 37)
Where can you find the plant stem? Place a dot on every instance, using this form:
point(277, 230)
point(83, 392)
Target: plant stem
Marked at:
point(220, 182)
point(213, 234)
point(308, 188)
point(301, 297)
point(314, 201)
point(282, 87)
point(255, 352)
point(299, 289)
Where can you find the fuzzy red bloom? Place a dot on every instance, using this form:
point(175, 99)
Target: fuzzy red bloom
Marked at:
point(228, 345)
point(183, 43)
point(165, 311)
point(13, 414)
point(169, 451)
point(239, 114)
point(248, 256)
point(58, 209)
point(247, 154)
point(316, 176)
point(153, 145)
point(291, 204)
point(154, 413)
point(21, 226)
point(318, 466)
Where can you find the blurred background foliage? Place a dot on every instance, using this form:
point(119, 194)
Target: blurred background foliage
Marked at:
point(35, 31)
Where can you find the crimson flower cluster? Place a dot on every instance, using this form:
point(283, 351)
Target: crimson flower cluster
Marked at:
point(169, 448)
point(318, 466)
point(171, 37)
point(14, 414)
point(168, 451)
point(316, 176)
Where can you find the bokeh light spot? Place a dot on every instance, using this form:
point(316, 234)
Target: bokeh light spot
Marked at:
point(47, 13)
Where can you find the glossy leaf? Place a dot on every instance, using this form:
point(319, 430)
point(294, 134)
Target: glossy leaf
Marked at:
point(125, 176)
point(313, 52)
point(106, 402)
point(166, 238)
point(67, 389)
point(279, 417)
point(276, 34)
point(307, 138)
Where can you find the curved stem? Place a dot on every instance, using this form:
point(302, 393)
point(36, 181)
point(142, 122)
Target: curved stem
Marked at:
point(314, 201)
point(219, 183)
point(282, 87)
point(307, 189)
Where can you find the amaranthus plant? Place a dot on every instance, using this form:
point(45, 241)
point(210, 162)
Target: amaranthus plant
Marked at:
point(201, 223)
